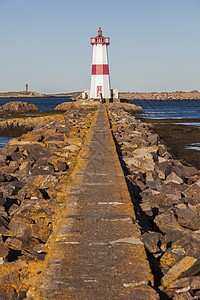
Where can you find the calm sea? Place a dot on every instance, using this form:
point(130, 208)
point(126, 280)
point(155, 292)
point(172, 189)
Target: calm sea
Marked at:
point(170, 109)
point(42, 104)
point(185, 112)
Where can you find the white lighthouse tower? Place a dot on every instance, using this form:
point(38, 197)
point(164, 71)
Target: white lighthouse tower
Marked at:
point(100, 81)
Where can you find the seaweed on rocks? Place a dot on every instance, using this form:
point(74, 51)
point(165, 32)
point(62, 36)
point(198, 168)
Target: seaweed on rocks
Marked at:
point(182, 138)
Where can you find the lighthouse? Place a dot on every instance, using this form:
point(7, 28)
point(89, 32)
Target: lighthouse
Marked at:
point(100, 80)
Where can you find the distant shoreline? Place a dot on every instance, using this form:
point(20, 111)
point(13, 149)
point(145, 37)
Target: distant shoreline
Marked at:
point(35, 94)
point(124, 96)
point(163, 96)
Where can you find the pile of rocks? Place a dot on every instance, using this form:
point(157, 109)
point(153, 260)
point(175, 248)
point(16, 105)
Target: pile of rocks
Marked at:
point(64, 106)
point(34, 169)
point(166, 198)
point(18, 107)
point(18, 126)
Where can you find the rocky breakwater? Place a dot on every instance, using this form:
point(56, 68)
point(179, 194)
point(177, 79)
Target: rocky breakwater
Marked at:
point(34, 168)
point(166, 198)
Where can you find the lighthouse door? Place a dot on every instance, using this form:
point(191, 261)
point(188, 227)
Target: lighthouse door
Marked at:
point(99, 91)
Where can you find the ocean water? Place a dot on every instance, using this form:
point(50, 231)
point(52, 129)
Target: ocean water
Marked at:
point(185, 112)
point(47, 103)
point(4, 140)
point(170, 109)
point(193, 146)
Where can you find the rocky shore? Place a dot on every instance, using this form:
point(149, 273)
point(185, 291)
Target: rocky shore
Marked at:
point(20, 94)
point(24, 94)
point(18, 107)
point(22, 123)
point(166, 198)
point(178, 95)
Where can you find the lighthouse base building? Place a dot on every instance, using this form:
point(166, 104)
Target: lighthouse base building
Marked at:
point(100, 79)
point(114, 95)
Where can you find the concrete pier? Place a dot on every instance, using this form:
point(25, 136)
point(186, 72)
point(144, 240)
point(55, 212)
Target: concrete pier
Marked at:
point(94, 250)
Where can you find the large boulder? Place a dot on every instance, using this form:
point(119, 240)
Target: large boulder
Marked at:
point(188, 218)
point(193, 193)
point(18, 107)
point(166, 222)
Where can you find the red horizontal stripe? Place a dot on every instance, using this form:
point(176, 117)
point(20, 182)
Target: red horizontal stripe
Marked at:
point(100, 70)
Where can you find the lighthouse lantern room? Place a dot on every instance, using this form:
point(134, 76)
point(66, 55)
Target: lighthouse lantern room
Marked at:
point(100, 81)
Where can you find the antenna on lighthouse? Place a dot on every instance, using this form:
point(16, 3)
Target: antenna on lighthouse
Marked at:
point(100, 80)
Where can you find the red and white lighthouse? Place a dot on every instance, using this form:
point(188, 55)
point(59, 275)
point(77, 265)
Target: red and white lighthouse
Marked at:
point(100, 81)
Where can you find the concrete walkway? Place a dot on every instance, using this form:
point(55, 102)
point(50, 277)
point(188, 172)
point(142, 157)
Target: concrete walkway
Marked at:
point(95, 251)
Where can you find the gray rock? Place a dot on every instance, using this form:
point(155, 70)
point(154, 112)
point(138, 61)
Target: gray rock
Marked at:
point(161, 199)
point(184, 239)
point(152, 139)
point(166, 222)
point(173, 190)
point(173, 177)
point(193, 192)
point(36, 151)
point(42, 166)
point(188, 218)
point(155, 185)
point(150, 240)
point(166, 167)
point(190, 171)
point(147, 208)
point(178, 168)
point(162, 149)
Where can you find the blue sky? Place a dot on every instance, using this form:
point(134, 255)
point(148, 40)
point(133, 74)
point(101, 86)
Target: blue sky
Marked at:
point(155, 44)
